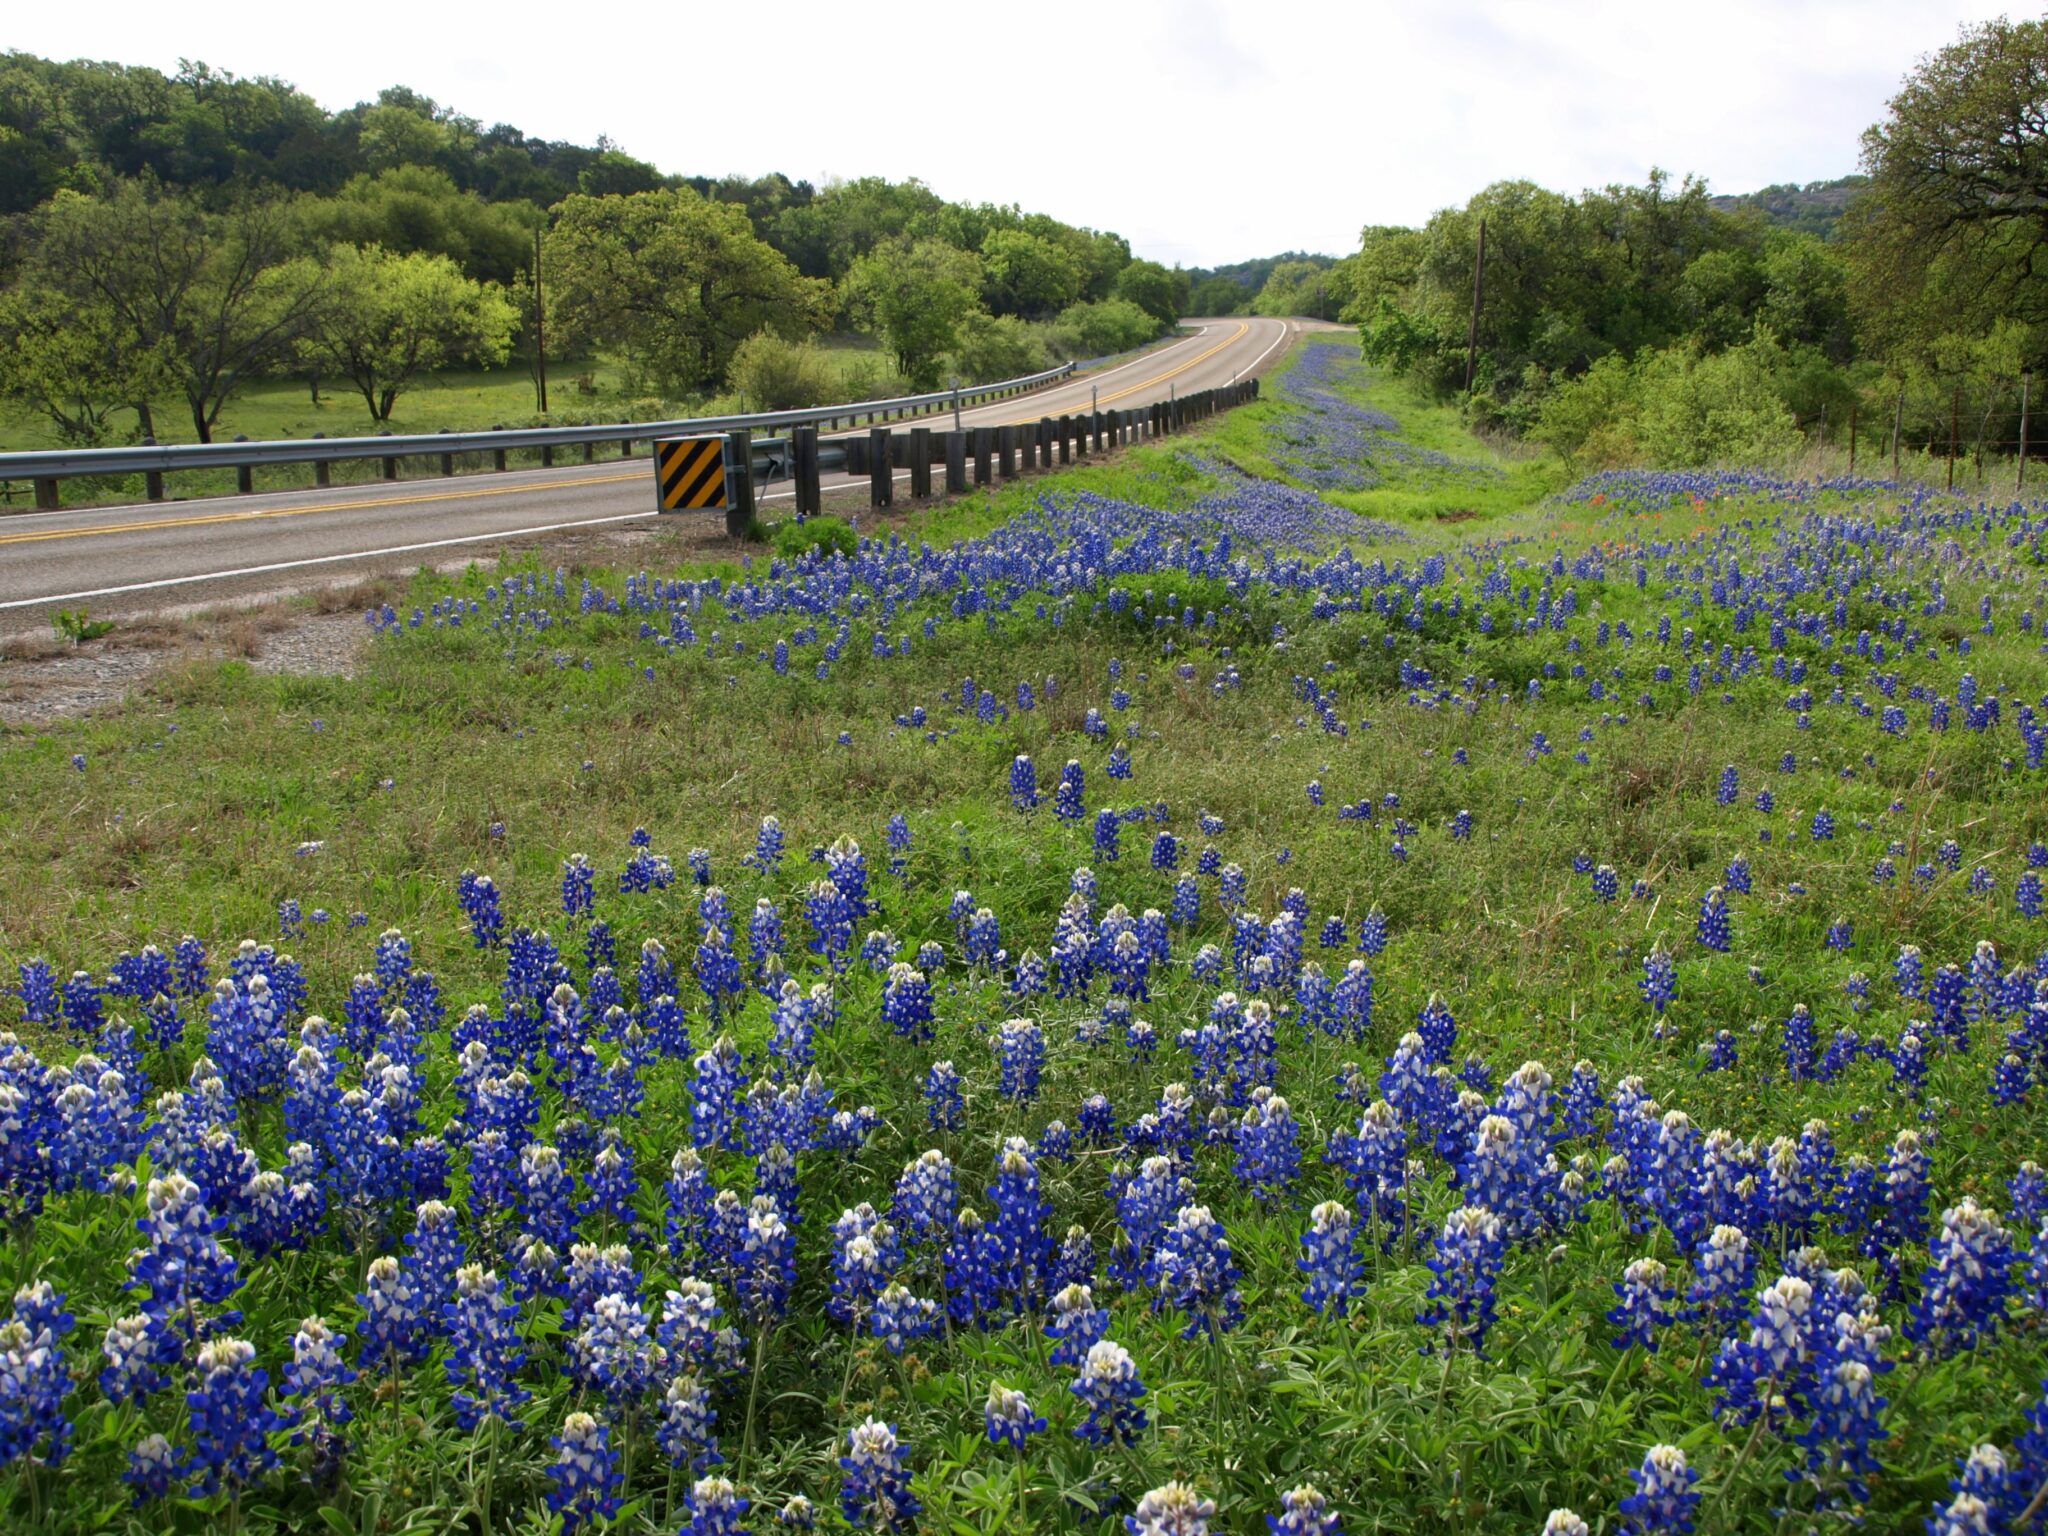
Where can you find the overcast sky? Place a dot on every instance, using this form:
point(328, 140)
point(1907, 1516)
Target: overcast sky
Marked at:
point(1204, 130)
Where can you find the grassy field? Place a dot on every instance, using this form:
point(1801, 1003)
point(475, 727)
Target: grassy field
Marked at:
point(1425, 711)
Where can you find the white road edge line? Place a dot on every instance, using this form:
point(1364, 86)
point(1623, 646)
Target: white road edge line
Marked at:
point(474, 538)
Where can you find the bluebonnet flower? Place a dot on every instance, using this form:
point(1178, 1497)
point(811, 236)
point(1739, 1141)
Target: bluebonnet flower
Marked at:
point(716, 1509)
point(1268, 1147)
point(767, 1262)
point(720, 1086)
point(1109, 1384)
point(1304, 1511)
point(1067, 798)
point(478, 895)
point(392, 1317)
point(1660, 979)
point(1799, 1042)
point(1466, 1260)
point(230, 1425)
point(1721, 1277)
point(1841, 935)
point(485, 1350)
point(925, 1197)
point(1009, 1418)
point(1197, 1272)
point(1664, 1501)
point(183, 1268)
point(900, 1317)
point(1644, 1307)
point(1964, 1294)
point(1020, 1052)
point(1730, 789)
point(684, 1423)
point(1329, 1258)
point(1713, 922)
point(34, 1378)
point(767, 854)
point(1823, 827)
point(585, 1473)
point(1721, 1053)
point(1606, 884)
point(1076, 1324)
point(1172, 1510)
point(944, 1106)
point(1565, 1522)
point(876, 1492)
point(1023, 783)
point(152, 1468)
point(907, 1003)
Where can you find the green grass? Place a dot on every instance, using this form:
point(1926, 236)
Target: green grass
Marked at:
point(461, 746)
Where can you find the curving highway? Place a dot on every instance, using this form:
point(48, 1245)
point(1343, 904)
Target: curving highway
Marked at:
point(137, 557)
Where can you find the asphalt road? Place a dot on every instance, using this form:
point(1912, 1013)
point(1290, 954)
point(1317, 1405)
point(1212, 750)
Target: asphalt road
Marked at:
point(134, 558)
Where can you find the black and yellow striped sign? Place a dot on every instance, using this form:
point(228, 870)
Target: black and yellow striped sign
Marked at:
point(689, 472)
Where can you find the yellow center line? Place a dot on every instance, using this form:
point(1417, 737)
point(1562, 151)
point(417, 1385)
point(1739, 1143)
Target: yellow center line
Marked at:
point(332, 506)
point(213, 519)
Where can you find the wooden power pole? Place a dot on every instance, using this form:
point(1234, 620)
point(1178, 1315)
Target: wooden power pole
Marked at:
point(1478, 294)
point(540, 334)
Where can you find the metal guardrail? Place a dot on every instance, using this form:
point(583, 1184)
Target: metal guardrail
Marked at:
point(153, 461)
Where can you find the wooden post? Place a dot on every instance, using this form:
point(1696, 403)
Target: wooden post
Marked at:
point(46, 494)
point(803, 468)
point(447, 461)
point(956, 463)
point(1898, 421)
point(739, 484)
point(1955, 425)
point(984, 441)
point(498, 454)
point(920, 462)
point(1080, 426)
point(1478, 294)
point(152, 479)
point(2026, 389)
point(1852, 438)
point(1006, 452)
point(245, 481)
point(881, 480)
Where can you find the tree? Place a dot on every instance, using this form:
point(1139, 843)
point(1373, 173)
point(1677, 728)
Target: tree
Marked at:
point(419, 208)
point(916, 293)
point(1951, 234)
point(74, 363)
point(673, 281)
point(1098, 330)
point(1027, 275)
point(1161, 294)
point(772, 374)
point(995, 347)
point(391, 317)
point(217, 299)
point(1300, 288)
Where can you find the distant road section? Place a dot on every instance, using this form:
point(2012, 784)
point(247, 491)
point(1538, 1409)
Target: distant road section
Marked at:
point(190, 551)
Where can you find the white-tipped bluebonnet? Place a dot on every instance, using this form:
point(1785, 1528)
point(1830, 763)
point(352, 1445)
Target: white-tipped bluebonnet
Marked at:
point(1466, 1260)
point(230, 1424)
point(1109, 1384)
point(716, 1509)
point(1963, 1296)
point(1664, 1501)
point(1659, 984)
point(944, 1107)
point(1644, 1308)
point(1198, 1274)
point(1172, 1510)
point(485, 1351)
point(1008, 1417)
point(875, 1494)
point(1329, 1258)
point(585, 1473)
point(1304, 1511)
point(152, 1469)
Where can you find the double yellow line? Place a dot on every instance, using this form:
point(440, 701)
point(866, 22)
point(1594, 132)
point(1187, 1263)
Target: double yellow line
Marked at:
point(213, 519)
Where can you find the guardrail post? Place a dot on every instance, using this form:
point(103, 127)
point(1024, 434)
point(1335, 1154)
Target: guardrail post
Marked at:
point(739, 483)
point(498, 454)
point(590, 453)
point(920, 462)
point(1043, 433)
point(547, 456)
point(390, 464)
point(956, 463)
point(152, 479)
point(46, 494)
point(447, 461)
point(984, 441)
point(1006, 452)
point(323, 472)
point(1066, 439)
point(625, 447)
point(803, 468)
point(881, 481)
point(245, 480)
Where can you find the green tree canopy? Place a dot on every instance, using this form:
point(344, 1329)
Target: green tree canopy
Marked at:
point(1161, 294)
point(390, 318)
point(1027, 274)
point(916, 294)
point(674, 282)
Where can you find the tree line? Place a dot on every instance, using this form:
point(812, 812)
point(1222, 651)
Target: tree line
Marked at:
point(1658, 323)
point(173, 238)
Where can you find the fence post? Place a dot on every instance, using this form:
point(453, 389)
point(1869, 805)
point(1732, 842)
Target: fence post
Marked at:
point(1006, 452)
point(245, 477)
point(920, 462)
point(881, 480)
point(984, 439)
point(2026, 388)
point(46, 494)
point(547, 456)
point(447, 461)
point(956, 463)
point(803, 468)
point(498, 454)
point(390, 464)
point(739, 483)
point(1080, 426)
point(152, 479)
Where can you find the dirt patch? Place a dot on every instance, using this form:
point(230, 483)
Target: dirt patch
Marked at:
point(1458, 515)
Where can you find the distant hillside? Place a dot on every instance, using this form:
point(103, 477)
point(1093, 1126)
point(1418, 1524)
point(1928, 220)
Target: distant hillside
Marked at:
point(1253, 274)
point(1815, 207)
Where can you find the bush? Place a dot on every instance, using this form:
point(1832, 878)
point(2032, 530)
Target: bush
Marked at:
point(829, 535)
point(868, 378)
point(778, 375)
point(992, 348)
point(1100, 329)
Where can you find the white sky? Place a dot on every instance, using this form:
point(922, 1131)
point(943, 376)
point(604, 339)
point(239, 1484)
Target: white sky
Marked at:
point(1206, 131)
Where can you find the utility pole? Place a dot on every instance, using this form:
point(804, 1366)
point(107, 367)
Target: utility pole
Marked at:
point(1898, 421)
point(1478, 293)
point(540, 335)
point(1955, 420)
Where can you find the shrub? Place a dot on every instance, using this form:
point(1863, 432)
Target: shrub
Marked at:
point(1112, 325)
point(996, 347)
point(779, 375)
point(830, 535)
